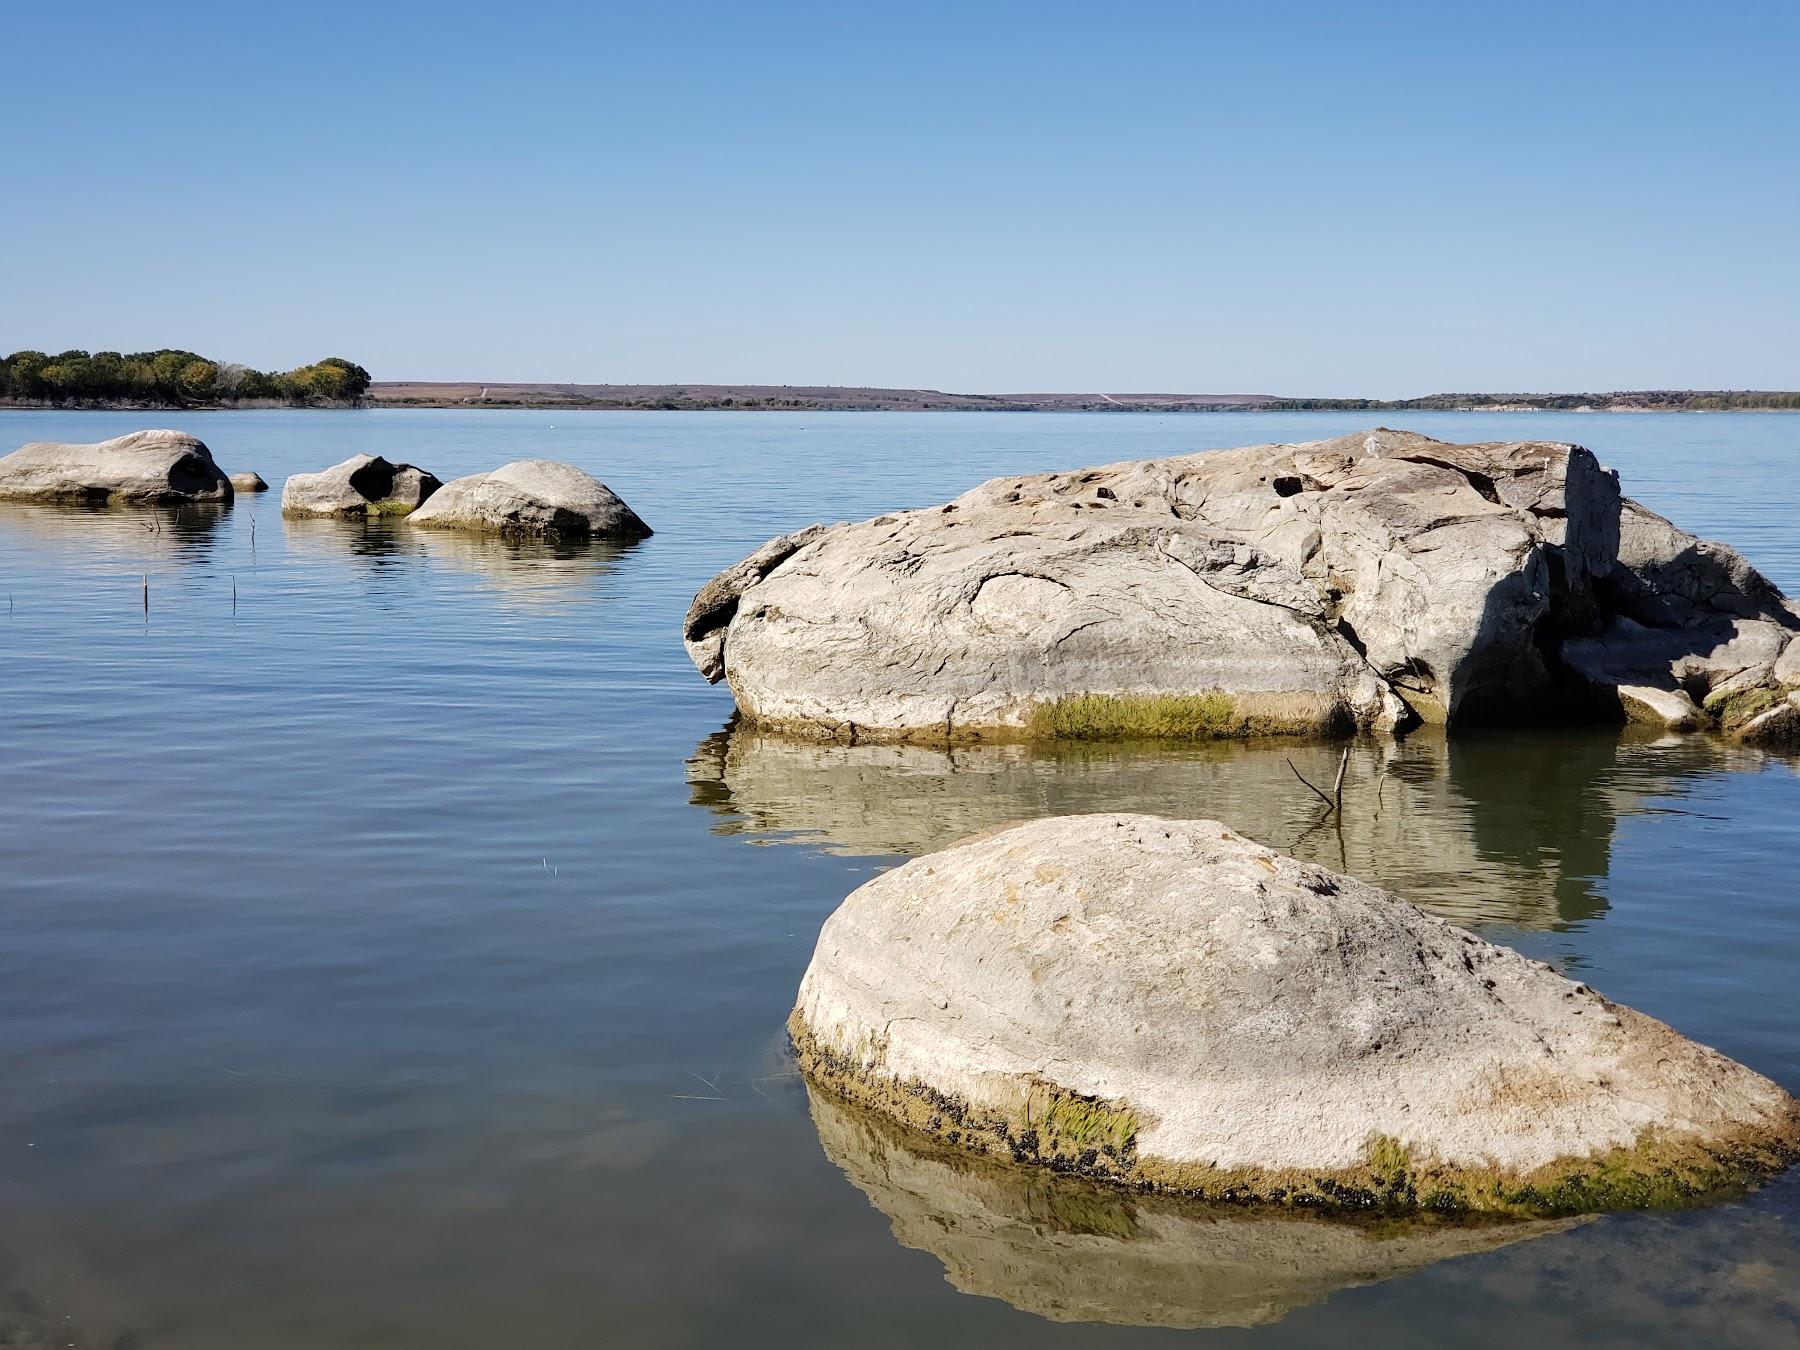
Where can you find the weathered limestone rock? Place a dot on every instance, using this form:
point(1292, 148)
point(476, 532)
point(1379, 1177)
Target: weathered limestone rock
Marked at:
point(248, 482)
point(363, 485)
point(540, 497)
point(713, 608)
point(1307, 585)
point(1068, 1250)
point(1165, 1004)
point(145, 466)
point(1309, 588)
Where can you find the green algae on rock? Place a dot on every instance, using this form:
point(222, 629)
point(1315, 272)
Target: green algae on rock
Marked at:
point(1167, 1006)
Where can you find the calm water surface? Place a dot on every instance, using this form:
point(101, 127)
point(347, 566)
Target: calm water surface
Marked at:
point(399, 958)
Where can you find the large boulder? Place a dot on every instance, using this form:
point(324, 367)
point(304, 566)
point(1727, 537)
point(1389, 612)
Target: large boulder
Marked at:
point(535, 497)
point(145, 466)
point(1293, 587)
point(1168, 1005)
point(363, 485)
point(1366, 581)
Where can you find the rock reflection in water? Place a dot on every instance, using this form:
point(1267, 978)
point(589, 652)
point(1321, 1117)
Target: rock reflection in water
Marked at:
point(1070, 1251)
point(141, 536)
point(534, 572)
point(526, 571)
point(1515, 828)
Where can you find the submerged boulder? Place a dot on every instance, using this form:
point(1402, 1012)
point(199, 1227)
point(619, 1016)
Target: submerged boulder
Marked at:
point(145, 466)
point(538, 497)
point(1168, 1005)
point(1364, 581)
point(248, 481)
point(363, 485)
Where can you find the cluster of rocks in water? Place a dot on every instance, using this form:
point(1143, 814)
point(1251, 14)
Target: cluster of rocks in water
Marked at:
point(1165, 1005)
point(1366, 582)
point(529, 497)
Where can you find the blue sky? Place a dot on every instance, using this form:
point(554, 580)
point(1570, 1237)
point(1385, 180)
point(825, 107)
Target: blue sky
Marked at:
point(1272, 197)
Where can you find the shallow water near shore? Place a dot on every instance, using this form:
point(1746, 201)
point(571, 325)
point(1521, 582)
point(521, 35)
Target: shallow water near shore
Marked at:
point(398, 955)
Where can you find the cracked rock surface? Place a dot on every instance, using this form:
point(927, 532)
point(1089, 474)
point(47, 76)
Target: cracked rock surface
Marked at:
point(1364, 581)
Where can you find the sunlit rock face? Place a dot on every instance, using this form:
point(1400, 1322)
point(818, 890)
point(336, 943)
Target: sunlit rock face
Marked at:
point(1072, 1251)
point(1372, 580)
point(166, 467)
point(1167, 1004)
point(539, 498)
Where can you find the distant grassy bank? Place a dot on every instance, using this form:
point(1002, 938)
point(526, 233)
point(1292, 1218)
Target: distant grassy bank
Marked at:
point(181, 379)
point(171, 378)
point(841, 398)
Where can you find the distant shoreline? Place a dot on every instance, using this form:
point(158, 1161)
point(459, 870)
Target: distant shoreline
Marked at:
point(826, 398)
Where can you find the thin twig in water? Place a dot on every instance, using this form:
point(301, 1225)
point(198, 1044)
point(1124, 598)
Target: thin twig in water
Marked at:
point(697, 1097)
point(1315, 791)
point(1337, 788)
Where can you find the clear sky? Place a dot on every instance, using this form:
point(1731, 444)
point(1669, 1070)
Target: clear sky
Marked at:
point(1351, 198)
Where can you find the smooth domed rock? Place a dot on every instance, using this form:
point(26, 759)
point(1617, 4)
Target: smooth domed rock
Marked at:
point(363, 485)
point(532, 497)
point(1068, 1250)
point(145, 466)
point(1166, 1004)
point(248, 482)
point(1303, 587)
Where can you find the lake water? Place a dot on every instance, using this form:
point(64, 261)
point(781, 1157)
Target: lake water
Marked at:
point(398, 955)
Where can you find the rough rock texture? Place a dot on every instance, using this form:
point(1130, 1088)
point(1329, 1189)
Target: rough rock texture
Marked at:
point(1068, 1250)
point(1166, 1004)
point(1359, 581)
point(713, 609)
point(532, 497)
point(248, 482)
point(145, 466)
point(363, 485)
point(1696, 636)
point(1309, 583)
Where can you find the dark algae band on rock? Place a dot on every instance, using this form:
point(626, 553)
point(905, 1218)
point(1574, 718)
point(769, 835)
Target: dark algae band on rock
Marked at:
point(1167, 1006)
point(1372, 581)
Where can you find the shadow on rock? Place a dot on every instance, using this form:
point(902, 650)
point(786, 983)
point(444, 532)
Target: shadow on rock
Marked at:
point(1070, 1251)
point(1515, 828)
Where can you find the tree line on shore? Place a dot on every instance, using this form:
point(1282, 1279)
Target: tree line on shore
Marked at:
point(172, 378)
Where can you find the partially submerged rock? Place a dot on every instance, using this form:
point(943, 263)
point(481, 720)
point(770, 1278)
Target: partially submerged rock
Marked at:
point(1167, 1005)
point(248, 482)
point(1365, 581)
point(145, 466)
point(533, 497)
point(1066, 1249)
point(363, 485)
